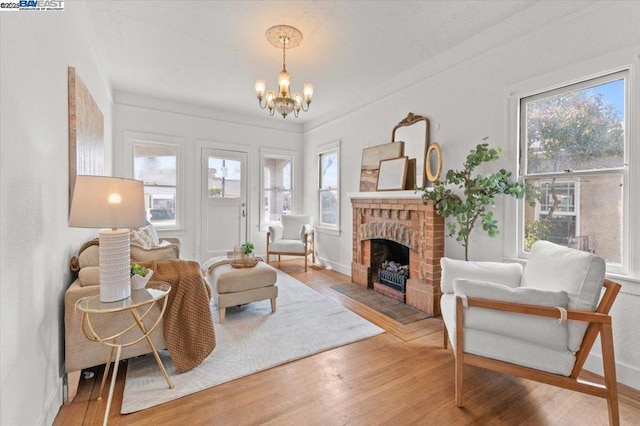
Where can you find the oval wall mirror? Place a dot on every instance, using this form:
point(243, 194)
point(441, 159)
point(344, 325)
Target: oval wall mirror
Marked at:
point(414, 132)
point(434, 162)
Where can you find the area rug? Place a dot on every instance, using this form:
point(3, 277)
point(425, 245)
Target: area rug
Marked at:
point(387, 306)
point(251, 339)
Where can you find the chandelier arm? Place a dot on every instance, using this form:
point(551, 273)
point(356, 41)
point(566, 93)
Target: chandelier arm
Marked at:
point(302, 104)
point(265, 102)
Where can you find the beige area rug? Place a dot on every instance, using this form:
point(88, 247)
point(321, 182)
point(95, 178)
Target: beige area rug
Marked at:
point(252, 339)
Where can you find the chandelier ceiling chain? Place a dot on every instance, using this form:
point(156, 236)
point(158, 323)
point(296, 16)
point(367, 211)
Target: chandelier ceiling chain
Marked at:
point(286, 37)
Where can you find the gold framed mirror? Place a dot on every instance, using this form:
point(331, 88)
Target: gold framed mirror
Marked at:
point(414, 132)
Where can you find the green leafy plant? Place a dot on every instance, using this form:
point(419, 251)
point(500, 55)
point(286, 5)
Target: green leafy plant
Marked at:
point(478, 194)
point(139, 270)
point(248, 248)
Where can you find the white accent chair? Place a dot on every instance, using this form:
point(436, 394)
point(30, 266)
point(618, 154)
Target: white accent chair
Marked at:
point(293, 236)
point(538, 323)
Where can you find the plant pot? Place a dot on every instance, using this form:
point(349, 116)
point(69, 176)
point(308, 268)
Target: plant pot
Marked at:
point(138, 282)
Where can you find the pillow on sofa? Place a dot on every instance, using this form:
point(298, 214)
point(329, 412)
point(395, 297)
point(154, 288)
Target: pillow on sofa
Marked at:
point(89, 257)
point(89, 275)
point(164, 251)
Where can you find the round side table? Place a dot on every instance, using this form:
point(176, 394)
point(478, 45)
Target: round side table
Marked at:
point(139, 304)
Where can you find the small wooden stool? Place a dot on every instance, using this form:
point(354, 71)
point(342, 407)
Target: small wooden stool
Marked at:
point(232, 287)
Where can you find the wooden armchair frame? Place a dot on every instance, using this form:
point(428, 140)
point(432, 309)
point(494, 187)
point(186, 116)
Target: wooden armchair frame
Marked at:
point(309, 249)
point(599, 322)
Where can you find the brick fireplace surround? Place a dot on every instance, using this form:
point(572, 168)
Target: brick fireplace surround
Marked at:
point(401, 217)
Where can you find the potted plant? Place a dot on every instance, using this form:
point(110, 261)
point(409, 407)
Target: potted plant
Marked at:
point(248, 248)
point(140, 276)
point(474, 196)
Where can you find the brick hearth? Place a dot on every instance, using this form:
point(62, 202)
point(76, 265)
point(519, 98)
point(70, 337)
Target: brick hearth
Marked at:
point(411, 223)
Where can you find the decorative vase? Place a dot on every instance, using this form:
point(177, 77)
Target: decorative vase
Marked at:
point(138, 282)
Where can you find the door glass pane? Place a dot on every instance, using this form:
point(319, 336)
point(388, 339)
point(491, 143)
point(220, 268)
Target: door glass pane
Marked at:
point(576, 129)
point(224, 177)
point(155, 165)
point(573, 212)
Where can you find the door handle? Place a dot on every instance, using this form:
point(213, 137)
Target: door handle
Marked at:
point(244, 211)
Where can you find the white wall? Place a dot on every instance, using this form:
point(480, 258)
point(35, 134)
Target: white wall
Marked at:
point(36, 243)
point(465, 92)
point(195, 127)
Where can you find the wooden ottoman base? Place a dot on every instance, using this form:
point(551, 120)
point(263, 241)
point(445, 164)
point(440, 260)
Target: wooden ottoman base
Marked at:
point(232, 287)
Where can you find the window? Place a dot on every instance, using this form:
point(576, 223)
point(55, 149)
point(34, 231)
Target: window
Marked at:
point(573, 155)
point(225, 177)
point(277, 187)
point(329, 186)
point(156, 166)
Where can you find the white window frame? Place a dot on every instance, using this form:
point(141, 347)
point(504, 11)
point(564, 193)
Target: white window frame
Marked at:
point(560, 82)
point(281, 154)
point(324, 149)
point(137, 138)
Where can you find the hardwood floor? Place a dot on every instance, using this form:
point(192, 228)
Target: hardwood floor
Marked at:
point(401, 377)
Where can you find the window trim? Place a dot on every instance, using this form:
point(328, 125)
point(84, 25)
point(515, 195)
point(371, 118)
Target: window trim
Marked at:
point(625, 72)
point(134, 138)
point(324, 149)
point(281, 154)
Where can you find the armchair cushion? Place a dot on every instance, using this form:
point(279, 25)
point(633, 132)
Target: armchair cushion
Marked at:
point(293, 225)
point(508, 274)
point(579, 273)
point(537, 330)
point(287, 246)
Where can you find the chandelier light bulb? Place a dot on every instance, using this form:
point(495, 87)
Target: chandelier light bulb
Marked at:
point(260, 87)
point(307, 89)
point(284, 81)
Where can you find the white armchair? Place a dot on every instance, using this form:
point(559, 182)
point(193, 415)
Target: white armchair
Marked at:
point(539, 322)
point(293, 236)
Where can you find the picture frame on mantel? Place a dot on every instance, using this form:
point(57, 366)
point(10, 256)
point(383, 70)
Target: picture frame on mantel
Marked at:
point(392, 174)
point(86, 132)
point(371, 157)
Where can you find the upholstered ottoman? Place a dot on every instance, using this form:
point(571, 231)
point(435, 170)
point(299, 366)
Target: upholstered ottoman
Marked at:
point(231, 286)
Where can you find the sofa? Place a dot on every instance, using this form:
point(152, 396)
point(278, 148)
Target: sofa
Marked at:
point(81, 353)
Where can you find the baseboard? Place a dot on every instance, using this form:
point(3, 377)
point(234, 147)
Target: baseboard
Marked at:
point(338, 267)
point(626, 374)
point(53, 404)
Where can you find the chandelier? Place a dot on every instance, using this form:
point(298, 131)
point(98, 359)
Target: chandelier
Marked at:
point(285, 37)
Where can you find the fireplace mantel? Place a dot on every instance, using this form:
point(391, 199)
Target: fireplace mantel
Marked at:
point(400, 216)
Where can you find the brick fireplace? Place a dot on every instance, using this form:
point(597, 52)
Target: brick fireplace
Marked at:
point(403, 218)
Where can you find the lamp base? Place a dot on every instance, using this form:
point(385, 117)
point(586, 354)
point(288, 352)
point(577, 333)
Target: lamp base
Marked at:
point(115, 265)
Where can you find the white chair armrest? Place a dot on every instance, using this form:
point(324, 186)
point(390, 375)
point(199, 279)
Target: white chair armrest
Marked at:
point(304, 231)
point(508, 274)
point(275, 232)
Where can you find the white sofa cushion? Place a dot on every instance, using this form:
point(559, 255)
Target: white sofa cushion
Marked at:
point(292, 226)
point(538, 330)
point(579, 273)
point(508, 274)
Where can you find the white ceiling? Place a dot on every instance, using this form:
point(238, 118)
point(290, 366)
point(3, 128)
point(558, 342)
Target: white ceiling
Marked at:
point(208, 53)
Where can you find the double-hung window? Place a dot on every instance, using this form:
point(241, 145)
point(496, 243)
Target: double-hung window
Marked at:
point(572, 154)
point(329, 186)
point(157, 161)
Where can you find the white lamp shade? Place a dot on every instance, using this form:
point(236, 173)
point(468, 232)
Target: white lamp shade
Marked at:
point(107, 202)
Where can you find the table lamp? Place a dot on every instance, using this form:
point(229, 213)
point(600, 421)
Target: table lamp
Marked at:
point(116, 203)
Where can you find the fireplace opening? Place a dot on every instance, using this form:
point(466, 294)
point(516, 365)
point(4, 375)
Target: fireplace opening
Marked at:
point(390, 262)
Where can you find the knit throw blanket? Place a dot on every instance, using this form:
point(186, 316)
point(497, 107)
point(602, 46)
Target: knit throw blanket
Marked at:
point(188, 325)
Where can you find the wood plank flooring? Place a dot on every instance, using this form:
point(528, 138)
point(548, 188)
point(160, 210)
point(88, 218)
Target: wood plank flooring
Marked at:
point(401, 377)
